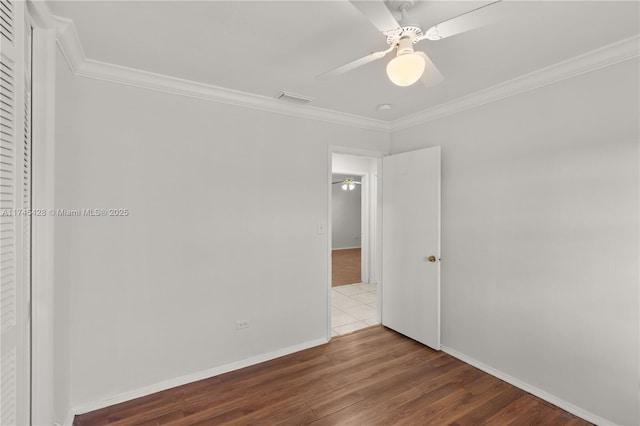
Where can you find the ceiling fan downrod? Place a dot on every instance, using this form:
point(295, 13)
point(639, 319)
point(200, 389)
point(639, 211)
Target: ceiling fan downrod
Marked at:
point(401, 6)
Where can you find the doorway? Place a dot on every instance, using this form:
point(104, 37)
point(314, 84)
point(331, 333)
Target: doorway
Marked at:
point(406, 259)
point(346, 230)
point(353, 243)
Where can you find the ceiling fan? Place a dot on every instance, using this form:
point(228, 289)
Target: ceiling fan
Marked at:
point(410, 66)
point(348, 184)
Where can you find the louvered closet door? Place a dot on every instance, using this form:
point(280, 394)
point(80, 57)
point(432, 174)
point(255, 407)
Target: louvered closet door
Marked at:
point(15, 198)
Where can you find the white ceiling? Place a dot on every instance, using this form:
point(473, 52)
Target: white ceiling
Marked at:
point(264, 47)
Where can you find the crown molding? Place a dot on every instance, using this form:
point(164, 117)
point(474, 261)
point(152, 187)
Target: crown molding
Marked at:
point(71, 47)
point(41, 14)
point(603, 57)
point(69, 43)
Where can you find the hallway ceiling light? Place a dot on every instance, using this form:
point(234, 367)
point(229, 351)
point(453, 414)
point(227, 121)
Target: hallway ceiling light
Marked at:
point(348, 184)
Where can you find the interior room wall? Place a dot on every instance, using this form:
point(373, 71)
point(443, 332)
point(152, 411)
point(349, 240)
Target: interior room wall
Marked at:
point(223, 204)
point(540, 237)
point(353, 164)
point(62, 262)
point(346, 214)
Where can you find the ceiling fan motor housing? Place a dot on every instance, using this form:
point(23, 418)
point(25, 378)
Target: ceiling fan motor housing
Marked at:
point(410, 33)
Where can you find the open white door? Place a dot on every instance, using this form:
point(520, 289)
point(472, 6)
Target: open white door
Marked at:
point(411, 244)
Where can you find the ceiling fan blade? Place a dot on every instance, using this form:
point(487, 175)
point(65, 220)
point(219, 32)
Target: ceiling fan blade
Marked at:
point(378, 13)
point(431, 75)
point(353, 65)
point(476, 18)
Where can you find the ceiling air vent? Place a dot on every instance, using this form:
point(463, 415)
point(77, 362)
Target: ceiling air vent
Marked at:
point(293, 98)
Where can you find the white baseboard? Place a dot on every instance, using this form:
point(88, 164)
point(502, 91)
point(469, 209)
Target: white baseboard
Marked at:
point(68, 421)
point(567, 406)
point(345, 248)
point(189, 378)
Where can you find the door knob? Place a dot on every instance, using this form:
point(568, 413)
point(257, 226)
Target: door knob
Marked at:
point(431, 258)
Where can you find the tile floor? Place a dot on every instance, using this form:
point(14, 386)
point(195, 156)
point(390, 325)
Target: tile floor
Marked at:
point(353, 307)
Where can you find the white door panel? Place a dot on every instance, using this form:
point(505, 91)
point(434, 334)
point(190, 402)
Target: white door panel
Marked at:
point(410, 235)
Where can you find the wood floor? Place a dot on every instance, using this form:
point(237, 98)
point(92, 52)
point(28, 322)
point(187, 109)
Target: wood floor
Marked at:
point(345, 267)
point(372, 377)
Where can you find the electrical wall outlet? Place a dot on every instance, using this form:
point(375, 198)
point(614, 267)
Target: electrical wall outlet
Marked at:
point(240, 324)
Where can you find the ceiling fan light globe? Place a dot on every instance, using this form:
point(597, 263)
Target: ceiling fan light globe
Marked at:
point(352, 186)
point(404, 70)
point(344, 186)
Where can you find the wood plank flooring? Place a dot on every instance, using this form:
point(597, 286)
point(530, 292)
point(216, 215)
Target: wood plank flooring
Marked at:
point(372, 377)
point(345, 267)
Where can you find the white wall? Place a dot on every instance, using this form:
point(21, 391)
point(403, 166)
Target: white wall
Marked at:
point(156, 295)
point(352, 164)
point(346, 214)
point(540, 237)
point(62, 262)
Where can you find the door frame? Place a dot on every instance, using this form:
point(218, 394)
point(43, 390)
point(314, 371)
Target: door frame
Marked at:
point(374, 221)
point(42, 193)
